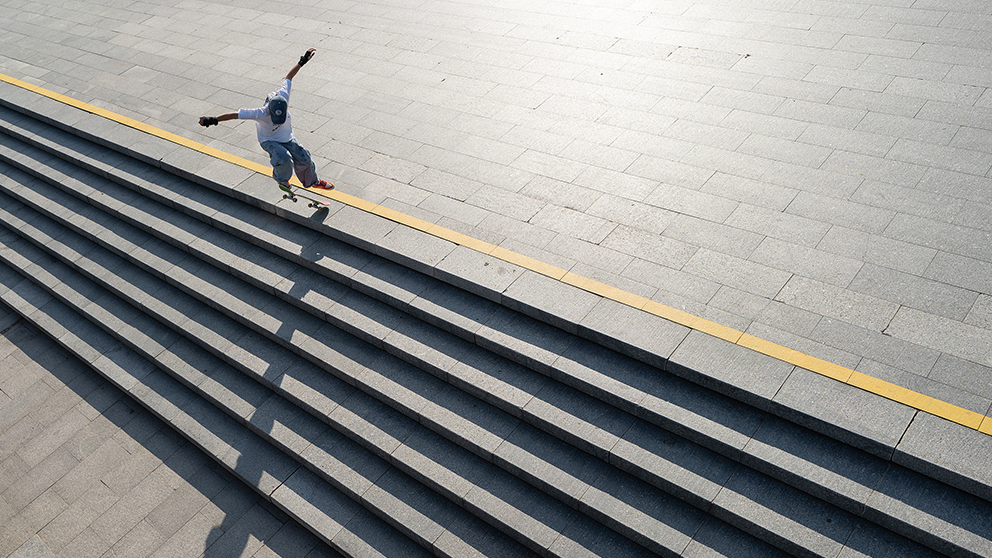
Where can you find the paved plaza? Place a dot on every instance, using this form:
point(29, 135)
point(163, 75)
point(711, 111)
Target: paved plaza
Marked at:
point(85, 471)
point(814, 173)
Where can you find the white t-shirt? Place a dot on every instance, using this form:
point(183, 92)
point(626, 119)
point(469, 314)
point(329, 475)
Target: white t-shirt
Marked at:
point(267, 131)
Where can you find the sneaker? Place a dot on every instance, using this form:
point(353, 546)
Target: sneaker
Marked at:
point(323, 184)
point(284, 186)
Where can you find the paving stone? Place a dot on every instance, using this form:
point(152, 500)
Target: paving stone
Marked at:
point(736, 272)
point(548, 300)
point(726, 368)
point(414, 249)
point(631, 331)
point(948, 452)
point(33, 548)
point(885, 103)
point(869, 540)
point(848, 414)
point(961, 270)
point(77, 518)
point(125, 513)
point(807, 262)
point(949, 336)
point(808, 526)
point(820, 466)
point(247, 534)
point(946, 520)
point(683, 469)
point(648, 517)
point(926, 386)
point(39, 479)
point(959, 373)
point(814, 296)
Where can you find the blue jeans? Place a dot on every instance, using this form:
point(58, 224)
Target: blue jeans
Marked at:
point(287, 157)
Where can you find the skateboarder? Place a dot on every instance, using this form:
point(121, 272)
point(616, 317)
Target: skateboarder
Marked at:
point(275, 134)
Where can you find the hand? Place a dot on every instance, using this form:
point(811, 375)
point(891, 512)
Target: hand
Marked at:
point(208, 121)
point(307, 56)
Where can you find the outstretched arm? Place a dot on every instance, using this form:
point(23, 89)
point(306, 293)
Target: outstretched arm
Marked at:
point(208, 121)
point(303, 60)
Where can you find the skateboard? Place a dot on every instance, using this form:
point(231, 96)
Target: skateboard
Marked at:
point(297, 192)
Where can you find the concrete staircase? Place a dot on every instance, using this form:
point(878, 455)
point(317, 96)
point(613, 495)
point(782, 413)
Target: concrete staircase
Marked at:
point(402, 396)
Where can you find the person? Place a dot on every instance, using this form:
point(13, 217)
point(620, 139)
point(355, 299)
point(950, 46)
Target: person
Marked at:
point(274, 127)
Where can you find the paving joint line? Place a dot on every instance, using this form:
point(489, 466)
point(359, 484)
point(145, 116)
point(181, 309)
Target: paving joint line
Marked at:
point(948, 411)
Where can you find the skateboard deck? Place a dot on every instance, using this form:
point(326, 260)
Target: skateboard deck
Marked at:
point(298, 192)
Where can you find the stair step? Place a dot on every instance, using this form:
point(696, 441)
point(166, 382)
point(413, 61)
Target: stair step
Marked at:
point(486, 500)
point(242, 401)
point(343, 524)
point(386, 389)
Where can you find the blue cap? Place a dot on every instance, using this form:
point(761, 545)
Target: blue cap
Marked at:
point(277, 109)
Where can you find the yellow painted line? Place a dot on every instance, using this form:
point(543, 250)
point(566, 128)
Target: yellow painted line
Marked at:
point(692, 321)
point(986, 426)
point(528, 262)
point(461, 239)
point(346, 199)
point(916, 400)
point(402, 218)
point(882, 388)
point(604, 290)
point(794, 357)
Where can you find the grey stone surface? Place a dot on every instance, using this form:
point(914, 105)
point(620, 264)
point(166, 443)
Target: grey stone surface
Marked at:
point(830, 470)
point(727, 368)
point(360, 228)
point(628, 331)
point(414, 249)
point(549, 301)
point(147, 492)
point(467, 536)
point(561, 469)
point(685, 470)
point(926, 386)
point(452, 308)
point(755, 117)
point(868, 540)
point(961, 374)
point(844, 412)
point(531, 516)
point(417, 513)
point(643, 514)
point(523, 340)
point(948, 452)
point(474, 425)
point(799, 525)
point(949, 521)
point(578, 419)
point(477, 273)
